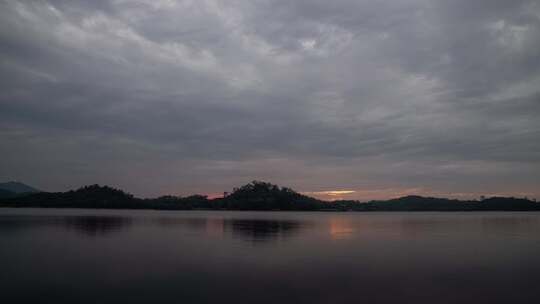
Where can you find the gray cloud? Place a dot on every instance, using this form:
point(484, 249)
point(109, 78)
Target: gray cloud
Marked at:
point(199, 96)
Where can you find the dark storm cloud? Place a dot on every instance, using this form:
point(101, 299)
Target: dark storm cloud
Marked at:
point(181, 96)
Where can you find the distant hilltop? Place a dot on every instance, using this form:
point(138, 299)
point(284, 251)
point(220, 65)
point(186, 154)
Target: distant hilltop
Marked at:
point(256, 195)
point(17, 187)
point(13, 189)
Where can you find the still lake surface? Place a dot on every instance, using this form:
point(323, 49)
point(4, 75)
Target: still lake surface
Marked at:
point(115, 256)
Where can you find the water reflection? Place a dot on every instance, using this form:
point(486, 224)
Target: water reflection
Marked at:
point(340, 228)
point(274, 257)
point(181, 223)
point(86, 225)
point(95, 225)
point(13, 223)
point(260, 231)
point(249, 230)
point(215, 227)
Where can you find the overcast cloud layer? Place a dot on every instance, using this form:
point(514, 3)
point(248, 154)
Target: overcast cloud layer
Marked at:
point(378, 98)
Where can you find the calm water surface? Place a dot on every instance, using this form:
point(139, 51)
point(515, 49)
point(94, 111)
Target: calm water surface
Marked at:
point(98, 256)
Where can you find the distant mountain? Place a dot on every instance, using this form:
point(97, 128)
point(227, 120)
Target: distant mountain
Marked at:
point(93, 196)
point(6, 194)
point(420, 203)
point(17, 187)
point(259, 195)
point(253, 196)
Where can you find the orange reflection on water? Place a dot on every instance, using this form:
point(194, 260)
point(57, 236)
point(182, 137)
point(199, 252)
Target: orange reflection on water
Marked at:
point(215, 227)
point(340, 228)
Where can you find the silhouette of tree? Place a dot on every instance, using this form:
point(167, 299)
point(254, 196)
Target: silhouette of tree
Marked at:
point(257, 195)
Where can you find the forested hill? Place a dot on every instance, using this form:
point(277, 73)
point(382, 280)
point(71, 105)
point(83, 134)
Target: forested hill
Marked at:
point(17, 187)
point(253, 196)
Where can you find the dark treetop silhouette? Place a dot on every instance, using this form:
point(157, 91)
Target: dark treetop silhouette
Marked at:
point(256, 195)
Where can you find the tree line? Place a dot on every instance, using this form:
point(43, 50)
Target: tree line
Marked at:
point(256, 195)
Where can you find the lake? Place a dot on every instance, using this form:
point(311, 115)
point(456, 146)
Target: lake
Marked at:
point(127, 256)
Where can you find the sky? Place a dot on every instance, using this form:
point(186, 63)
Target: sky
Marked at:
point(349, 99)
